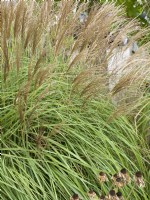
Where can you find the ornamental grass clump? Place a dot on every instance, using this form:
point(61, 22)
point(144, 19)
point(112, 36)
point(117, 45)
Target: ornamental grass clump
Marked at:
point(57, 121)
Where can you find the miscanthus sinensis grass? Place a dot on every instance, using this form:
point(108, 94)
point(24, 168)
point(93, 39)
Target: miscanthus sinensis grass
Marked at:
point(58, 125)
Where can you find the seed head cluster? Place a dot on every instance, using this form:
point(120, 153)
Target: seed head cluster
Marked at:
point(117, 182)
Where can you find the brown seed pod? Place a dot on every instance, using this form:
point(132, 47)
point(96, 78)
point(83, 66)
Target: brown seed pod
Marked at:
point(114, 177)
point(119, 182)
point(125, 176)
point(112, 195)
point(102, 177)
point(91, 194)
point(138, 179)
point(119, 196)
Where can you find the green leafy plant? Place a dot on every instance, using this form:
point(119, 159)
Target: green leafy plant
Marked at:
point(59, 127)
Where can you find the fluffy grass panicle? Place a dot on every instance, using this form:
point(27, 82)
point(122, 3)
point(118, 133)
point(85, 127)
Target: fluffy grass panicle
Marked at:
point(58, 125)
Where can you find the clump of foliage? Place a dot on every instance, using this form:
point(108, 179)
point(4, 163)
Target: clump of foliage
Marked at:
point(58, 125)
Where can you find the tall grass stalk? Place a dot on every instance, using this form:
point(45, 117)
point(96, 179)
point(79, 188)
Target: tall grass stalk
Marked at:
point(58, 125)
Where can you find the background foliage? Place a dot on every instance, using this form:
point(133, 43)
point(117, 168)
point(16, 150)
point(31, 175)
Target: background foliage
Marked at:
point(134, 8)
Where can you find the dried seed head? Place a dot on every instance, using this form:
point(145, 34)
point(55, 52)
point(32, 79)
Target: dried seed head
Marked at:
point(112, 193)
point(114, 177)
point(138, 174)
point(91, 194)
point(118, 179)
point(124, 175)
point(119, 182)
point(138, 179)
point(102, 177)
point(119, 195)
point(75, 197)
point(102, 174)
point(123, 171)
